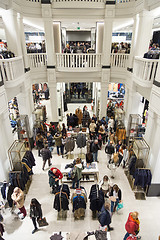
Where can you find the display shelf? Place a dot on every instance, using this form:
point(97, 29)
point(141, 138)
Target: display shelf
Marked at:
point(23, 130)
point(16, 152)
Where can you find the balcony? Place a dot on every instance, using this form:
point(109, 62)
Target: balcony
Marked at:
point(11, 69)
point(37, 60)
point(78, 62)
point(144, 71)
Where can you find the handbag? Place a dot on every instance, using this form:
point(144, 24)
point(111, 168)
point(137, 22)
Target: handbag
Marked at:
point(42, 222)
point(132, 237)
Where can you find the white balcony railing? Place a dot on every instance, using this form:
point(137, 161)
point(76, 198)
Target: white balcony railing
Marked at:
point(145, 69)
point(37, 60)
point(119, 60)
point(78, 61)
point(11, 69)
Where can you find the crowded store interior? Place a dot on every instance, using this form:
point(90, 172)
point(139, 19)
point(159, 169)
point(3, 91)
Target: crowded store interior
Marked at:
point(79, 120)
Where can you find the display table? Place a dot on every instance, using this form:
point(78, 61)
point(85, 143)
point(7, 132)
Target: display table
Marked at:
point(88, 174)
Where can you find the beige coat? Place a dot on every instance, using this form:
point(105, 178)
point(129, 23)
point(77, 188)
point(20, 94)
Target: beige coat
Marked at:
point(92, 127)
point(18, 198)
point(79, 114)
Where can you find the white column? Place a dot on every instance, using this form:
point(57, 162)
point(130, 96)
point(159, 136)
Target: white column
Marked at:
point(23, 42)
point(144, 33)
point(134, 40)
point(12, 31)
point(49, 34)
point(6, 140)
point(150, 129)
point(107, 35)
point(104, 91)
point(53, 94)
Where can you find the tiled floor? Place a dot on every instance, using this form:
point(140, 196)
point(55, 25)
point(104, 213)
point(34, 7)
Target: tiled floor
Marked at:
point(149, 210)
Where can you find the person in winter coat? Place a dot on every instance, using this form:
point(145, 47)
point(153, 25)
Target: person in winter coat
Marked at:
point(94, 149)
point(117, 195)
point(109, 149)
point(54, 176)
point(105, 216)
point(18, 200)
point(39, 143)
point(58, 142)
point(35, 213)
point(46, 155)
point(92, 127)
point(125, 156)
point(105, 185)
point(132, 225)
point(50, 141)
point(77, 171)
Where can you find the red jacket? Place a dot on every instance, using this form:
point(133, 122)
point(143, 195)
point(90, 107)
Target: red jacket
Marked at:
point(58, 173)
point(131, 225)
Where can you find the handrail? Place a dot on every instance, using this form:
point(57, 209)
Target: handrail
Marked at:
point(78, 60)
point(11, 69)
point(119, 60)
point(145, 69)
point(37, 59)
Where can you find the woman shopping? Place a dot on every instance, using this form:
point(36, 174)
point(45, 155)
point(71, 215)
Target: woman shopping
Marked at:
point(35, 213)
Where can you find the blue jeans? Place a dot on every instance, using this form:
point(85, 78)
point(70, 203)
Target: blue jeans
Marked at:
point(114, 204)
point(95, 155)
point(61, 148)
point(50, 149)
point(75, 182)
point(126, 236)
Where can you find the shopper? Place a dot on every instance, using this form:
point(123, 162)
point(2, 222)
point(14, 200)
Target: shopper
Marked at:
point(64, 130)
point(116, 195)
point(92, 128)
point(39, 143)
point(18, 200)
point(46, 155)
point(77, 172)
point(50, 141)
point(105, 186)
point(35, 213)
point(58, 142)
point(94, 149)
point(109, 149)
point(54, 176)
point(105, 216)
point(132, 225)
point(125, 156)
point(63, 144)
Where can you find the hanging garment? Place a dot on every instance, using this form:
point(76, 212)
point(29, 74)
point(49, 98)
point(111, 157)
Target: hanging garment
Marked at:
point(81, 140)
point(79, 114)
point(96, 198)
point(56, 237)
point(61, 201)
point(70, 144)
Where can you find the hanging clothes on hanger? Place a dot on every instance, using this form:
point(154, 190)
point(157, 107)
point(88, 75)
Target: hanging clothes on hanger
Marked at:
point(96, 197)
point(81, 140)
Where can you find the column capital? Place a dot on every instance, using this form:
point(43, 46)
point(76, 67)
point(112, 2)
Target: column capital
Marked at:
point(105, 75)
point(109, 12)
point(46, 11)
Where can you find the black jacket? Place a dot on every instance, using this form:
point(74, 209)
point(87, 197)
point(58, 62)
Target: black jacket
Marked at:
point(61, 201)
point(96, 198)
point(46, 154)
point(109, 149)
point(119, 193)
point(35, 211)
point(104, 217)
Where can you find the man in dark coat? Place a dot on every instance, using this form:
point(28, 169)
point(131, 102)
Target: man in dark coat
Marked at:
point(46, 155)
point(105, 216)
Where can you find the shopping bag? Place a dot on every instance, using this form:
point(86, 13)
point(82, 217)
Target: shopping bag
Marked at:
point(42, 222)
point(119, 206)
